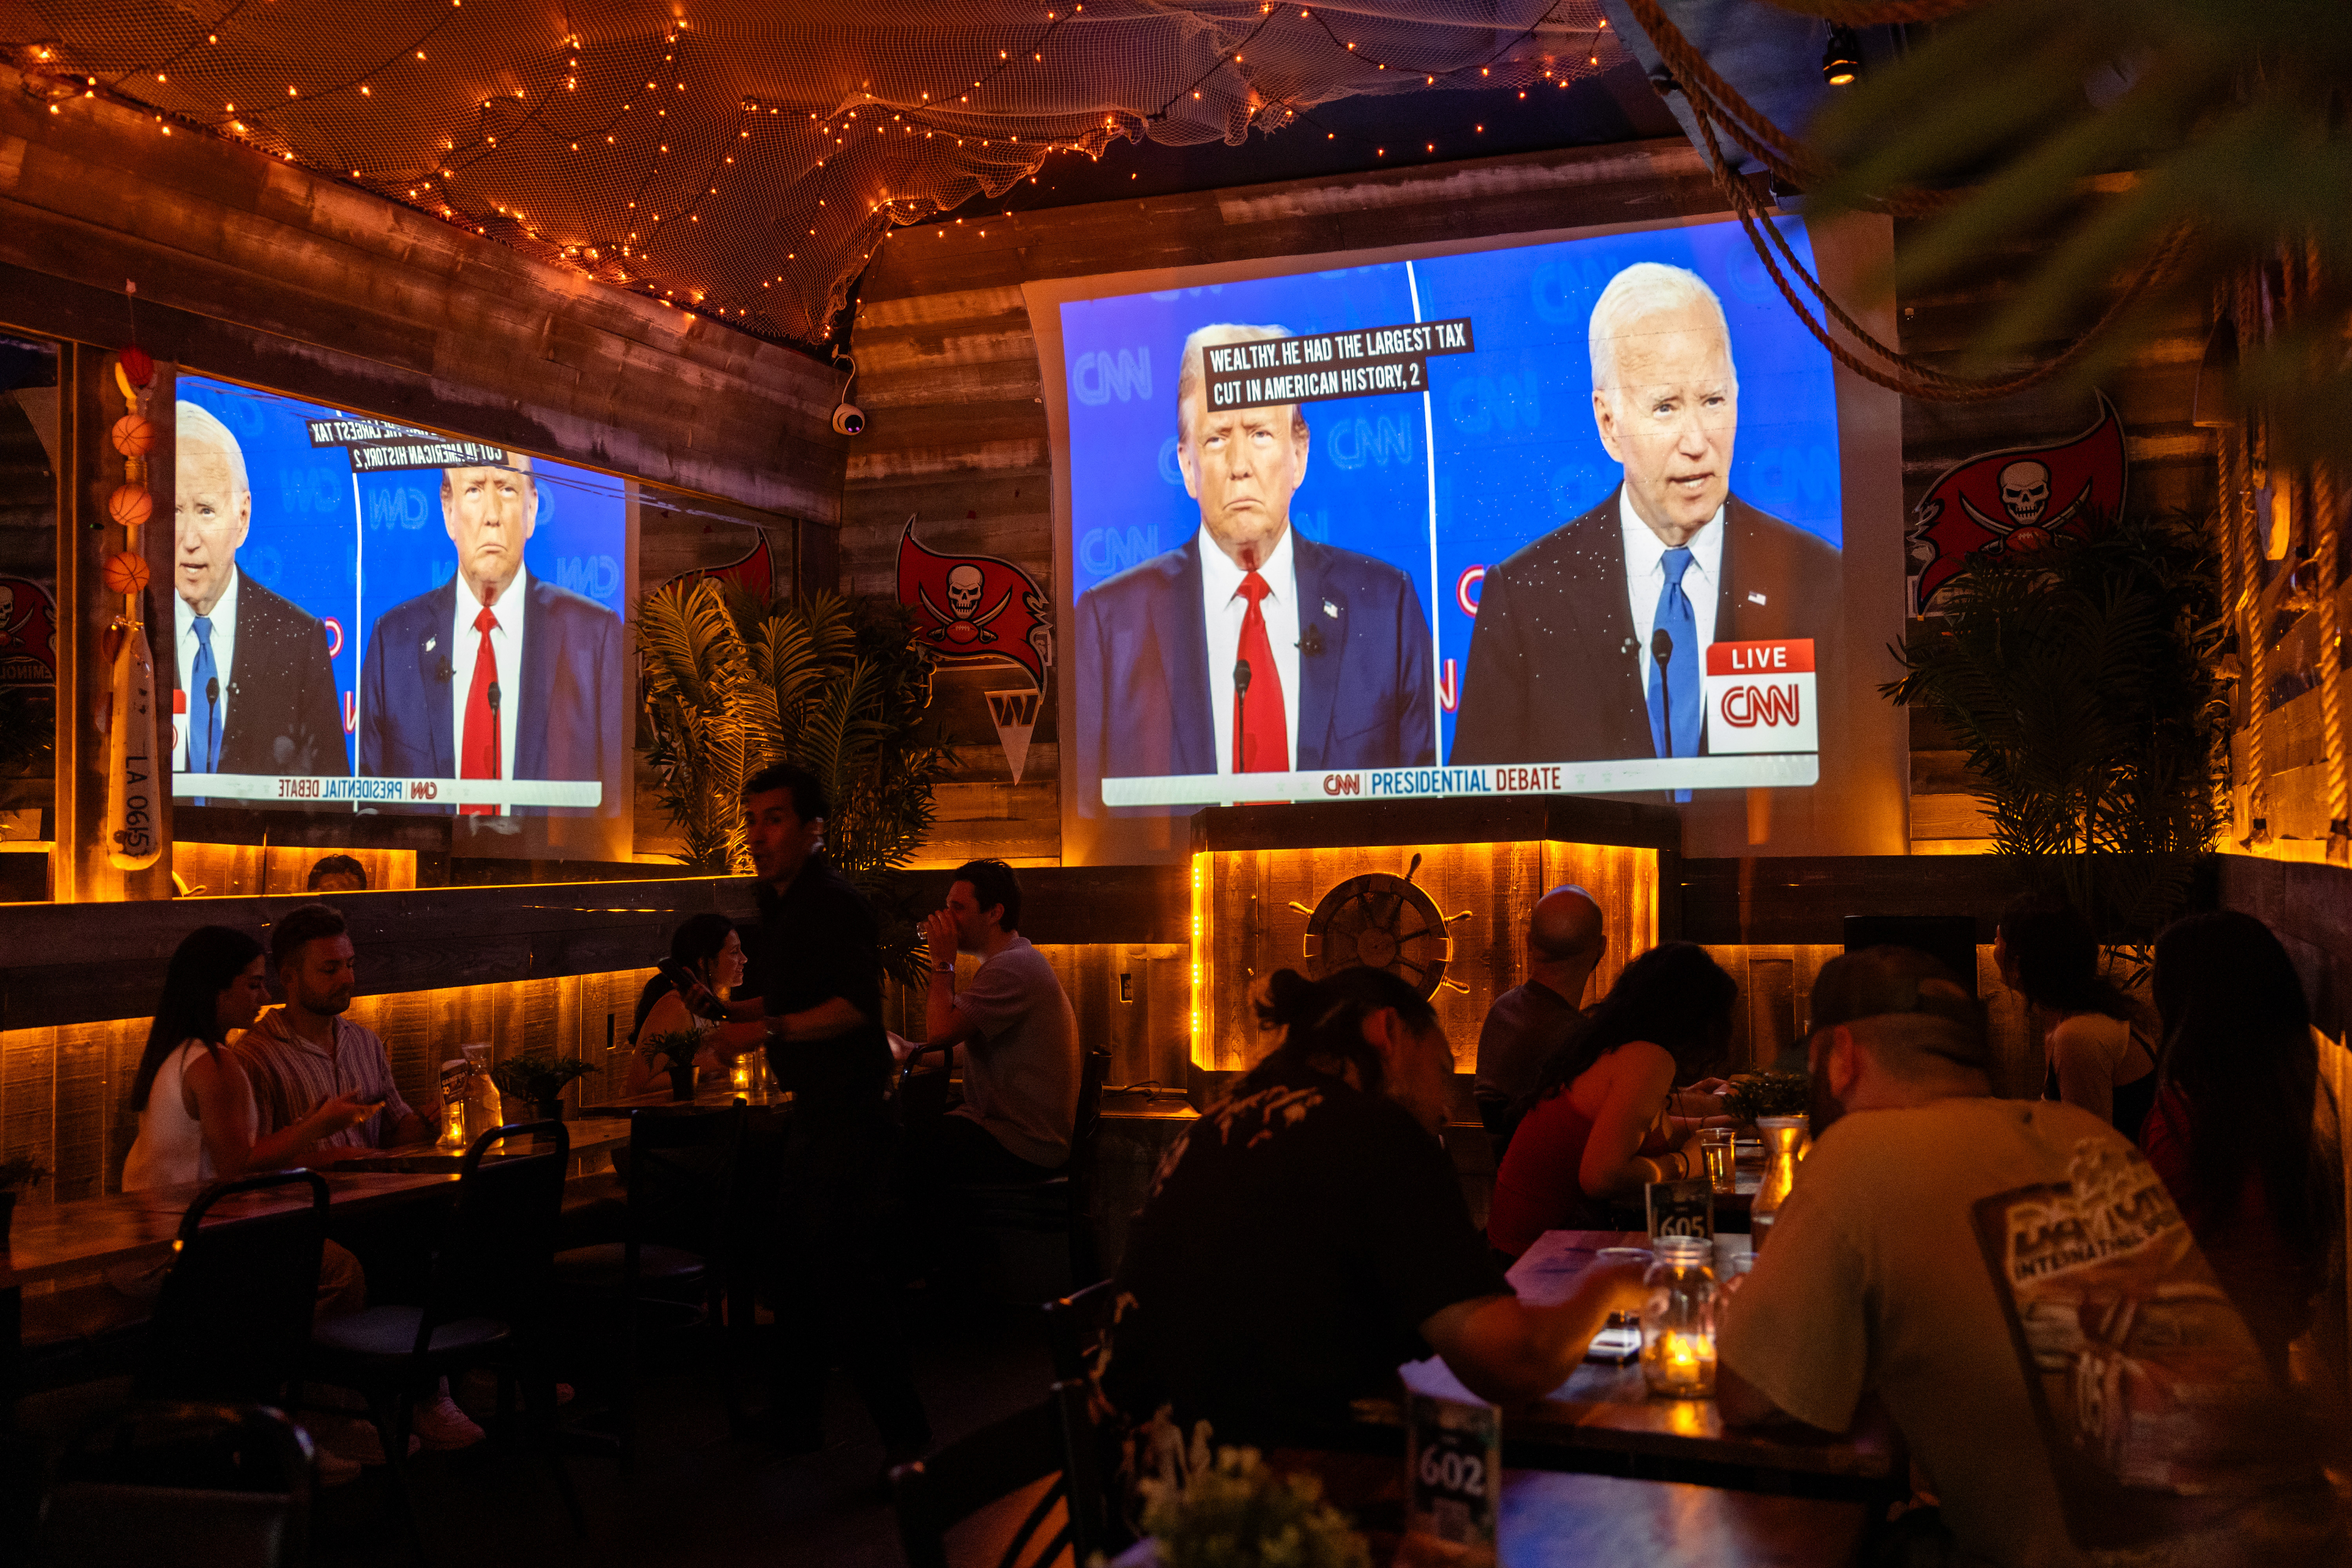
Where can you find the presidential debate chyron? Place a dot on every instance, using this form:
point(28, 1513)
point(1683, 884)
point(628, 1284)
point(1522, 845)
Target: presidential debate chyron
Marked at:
point(370, 618)
point(1559, 517)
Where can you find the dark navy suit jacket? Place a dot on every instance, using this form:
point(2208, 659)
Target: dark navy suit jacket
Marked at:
point(1553, 675)
point(1145, 710)
point(571, 723)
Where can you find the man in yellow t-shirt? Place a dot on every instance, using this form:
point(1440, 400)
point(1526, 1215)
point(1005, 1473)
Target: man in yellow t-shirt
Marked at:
point(2011, 1280)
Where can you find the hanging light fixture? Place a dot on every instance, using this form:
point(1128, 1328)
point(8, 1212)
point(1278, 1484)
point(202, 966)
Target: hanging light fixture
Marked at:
point(1842, 60)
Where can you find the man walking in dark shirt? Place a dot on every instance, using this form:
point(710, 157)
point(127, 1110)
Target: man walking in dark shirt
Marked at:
point(818, 1015)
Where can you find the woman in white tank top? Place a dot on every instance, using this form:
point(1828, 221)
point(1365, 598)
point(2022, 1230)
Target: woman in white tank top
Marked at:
point(707, 945)
point(195, 1107)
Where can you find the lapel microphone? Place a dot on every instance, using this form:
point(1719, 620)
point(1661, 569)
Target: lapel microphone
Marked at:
point(1310, 640)
point(445, 672)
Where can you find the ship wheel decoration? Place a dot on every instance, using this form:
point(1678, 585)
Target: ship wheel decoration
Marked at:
point(1383, 922)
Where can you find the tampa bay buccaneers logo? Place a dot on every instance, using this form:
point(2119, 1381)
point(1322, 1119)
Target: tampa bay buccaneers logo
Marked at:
point(29, 633)
point(974, 608)
point(2014, 502)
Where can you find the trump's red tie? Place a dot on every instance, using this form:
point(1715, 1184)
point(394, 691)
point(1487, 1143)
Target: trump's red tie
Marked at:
point(1261, 725)
point(478, 753)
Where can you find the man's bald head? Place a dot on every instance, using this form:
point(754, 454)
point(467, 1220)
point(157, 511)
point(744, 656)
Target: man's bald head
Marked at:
point(1566, 924)
point(1565, 940)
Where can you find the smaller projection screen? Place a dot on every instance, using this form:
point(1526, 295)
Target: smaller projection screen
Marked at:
point(368, 618)
point(1548, 515)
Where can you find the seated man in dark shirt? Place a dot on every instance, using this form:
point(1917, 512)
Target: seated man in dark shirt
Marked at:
point(1309, 1236)
point(1565, 940)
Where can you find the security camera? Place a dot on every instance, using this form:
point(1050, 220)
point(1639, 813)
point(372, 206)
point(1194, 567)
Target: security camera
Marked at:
point(848, 419)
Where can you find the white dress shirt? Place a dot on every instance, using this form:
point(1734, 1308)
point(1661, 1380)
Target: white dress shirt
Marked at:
point(224, 641)
point(505, 642)
point(1224, 608)
point(1645, 574)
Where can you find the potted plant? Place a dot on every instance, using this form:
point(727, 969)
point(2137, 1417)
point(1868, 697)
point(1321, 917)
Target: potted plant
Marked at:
point(17, 1172)
point(1232, 1511)
point(679, 1045)
point(839, 685)
point(539, 1078)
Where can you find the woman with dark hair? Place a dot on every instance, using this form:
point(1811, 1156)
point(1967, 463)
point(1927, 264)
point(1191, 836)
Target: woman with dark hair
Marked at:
point(2243, 1132)
point(2100, 1042)
point(196, 1110)
point(709, 947)
point(1599, 1121)
point(1308, 1235)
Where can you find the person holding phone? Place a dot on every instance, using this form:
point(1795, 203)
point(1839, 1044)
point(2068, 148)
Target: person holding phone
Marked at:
point(195, 1109)
point(707, 948)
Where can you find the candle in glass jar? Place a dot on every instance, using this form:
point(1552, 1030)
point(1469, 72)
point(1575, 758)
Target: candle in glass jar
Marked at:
point(742, 1073)
point(1681, 1365)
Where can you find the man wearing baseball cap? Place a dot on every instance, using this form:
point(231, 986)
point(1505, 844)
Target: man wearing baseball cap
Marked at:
point(2010, 1278)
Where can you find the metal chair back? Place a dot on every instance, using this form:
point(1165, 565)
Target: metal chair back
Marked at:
point(234, 1317)
point(497, 1257)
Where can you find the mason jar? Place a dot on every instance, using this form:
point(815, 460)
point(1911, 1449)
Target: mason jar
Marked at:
point(1678, 1320)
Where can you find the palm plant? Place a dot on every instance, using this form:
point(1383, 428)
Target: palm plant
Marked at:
point(833, 685)
point(2081, 679)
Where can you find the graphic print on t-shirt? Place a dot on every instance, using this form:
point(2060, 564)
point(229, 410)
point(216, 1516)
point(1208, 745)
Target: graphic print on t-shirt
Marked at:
point(2158, 1413)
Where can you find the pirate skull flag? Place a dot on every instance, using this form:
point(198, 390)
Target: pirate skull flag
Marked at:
point(974, 608)
point(754, 571)
point(2013, 502)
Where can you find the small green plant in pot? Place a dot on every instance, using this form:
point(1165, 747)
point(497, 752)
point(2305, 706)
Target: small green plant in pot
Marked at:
point(1232, 1511)
point(539, 1078)
point(679, 1045)
point(19, 1173)
point(1753, 1094)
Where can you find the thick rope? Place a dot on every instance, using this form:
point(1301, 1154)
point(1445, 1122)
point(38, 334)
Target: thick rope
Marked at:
point(1911, 378)
point(1704, 87)
point(2246, 613)
point(2326, 526)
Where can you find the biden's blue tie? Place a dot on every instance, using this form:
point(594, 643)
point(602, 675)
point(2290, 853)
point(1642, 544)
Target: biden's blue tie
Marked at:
point(204, 704)
point(1675, 708)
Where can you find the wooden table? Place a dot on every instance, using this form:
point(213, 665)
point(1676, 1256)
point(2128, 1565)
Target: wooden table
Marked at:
point(1604, 1416)
point(91, 1235)
point(1552, 1518)
point(716, 1096)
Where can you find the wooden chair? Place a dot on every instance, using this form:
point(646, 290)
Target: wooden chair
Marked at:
point(1020, 1493)
point(678, 1238)
point(486, 1304)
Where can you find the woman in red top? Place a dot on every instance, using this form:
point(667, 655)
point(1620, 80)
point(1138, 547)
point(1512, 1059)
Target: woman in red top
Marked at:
point(1598, 1123)
point(2238, 1132)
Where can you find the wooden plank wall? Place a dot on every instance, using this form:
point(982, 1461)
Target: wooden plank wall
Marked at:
point(251, 269)
point(949, 377)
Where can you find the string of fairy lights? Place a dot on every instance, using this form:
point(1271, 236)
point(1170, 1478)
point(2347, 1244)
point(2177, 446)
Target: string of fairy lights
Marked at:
point(872, 163)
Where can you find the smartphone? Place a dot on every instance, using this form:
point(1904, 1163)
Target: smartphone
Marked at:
point(1619, 1343)
point(679, 975)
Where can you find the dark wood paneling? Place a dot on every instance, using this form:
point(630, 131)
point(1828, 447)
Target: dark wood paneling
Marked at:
point(2309, 905)
point(1773, 900)
point(1466, 820)
point(80, 963)
point(86, 962)
point(250, 268)
point(1086, 904)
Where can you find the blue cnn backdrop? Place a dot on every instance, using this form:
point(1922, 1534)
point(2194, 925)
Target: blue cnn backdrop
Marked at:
point(348, 547)
point(1504, 450)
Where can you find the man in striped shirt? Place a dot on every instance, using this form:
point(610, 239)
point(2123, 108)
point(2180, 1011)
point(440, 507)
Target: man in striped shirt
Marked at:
point(306, 1053)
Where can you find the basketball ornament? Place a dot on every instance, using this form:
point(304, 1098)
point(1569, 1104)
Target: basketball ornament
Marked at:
point(134, 435)
point(131, 505)
point(125, 571)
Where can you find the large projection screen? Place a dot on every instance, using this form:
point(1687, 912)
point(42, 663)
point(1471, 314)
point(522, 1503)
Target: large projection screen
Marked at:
point(371, 619)
point(1584, 512)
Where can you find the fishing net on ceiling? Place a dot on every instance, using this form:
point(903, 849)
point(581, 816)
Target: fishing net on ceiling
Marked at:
point(743, 159)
